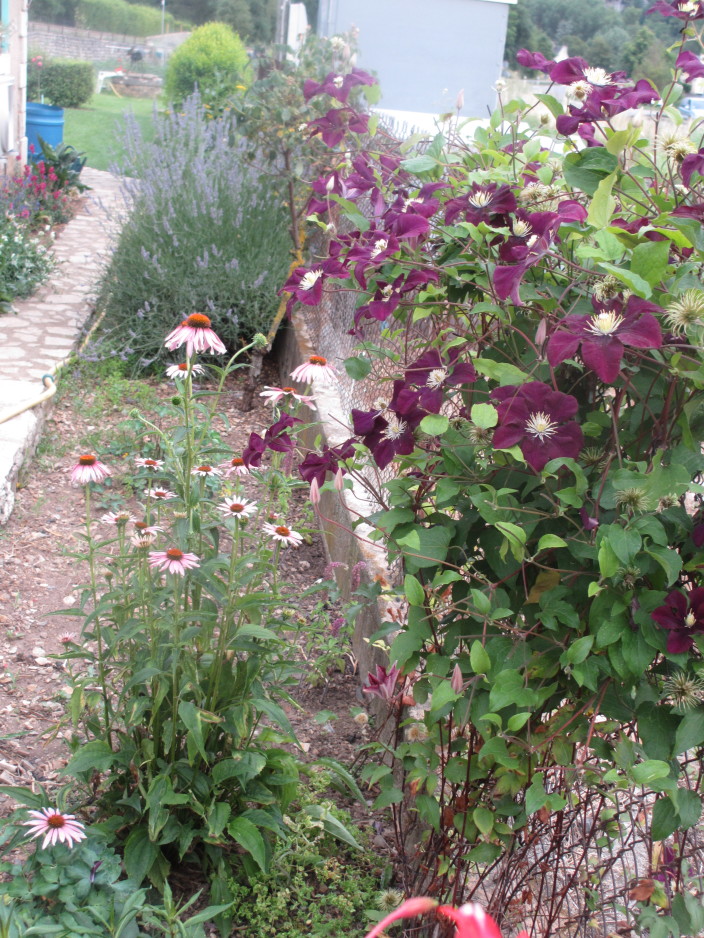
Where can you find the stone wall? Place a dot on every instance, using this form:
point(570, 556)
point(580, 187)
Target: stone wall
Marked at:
point(69, 42)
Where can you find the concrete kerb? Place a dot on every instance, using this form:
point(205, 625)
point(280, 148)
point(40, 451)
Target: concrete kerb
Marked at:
point(338, 513)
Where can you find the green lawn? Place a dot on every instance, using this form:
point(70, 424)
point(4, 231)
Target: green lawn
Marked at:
point(97, 128)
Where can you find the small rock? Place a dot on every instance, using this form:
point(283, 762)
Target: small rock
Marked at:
point(69, 600)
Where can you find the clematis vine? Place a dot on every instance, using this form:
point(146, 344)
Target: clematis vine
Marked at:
point(306, 284)
point(683, 617)
point(315, 466)
point(389, 431)
point(682, 9)
point(333, 125)
point(491, 204)
point(539, 421)
point(338, 86)
point(602, 337)
point(433, 372)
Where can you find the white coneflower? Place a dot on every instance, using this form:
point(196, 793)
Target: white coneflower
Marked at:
point(315, 369)
point(237, 508)
point(236, 466)
point(160, 494)
point(274, 395)
point(55, 827)
point(205, 471)
point(181, 370)
point(144, 462)
point(117, 518)
point(173, 561)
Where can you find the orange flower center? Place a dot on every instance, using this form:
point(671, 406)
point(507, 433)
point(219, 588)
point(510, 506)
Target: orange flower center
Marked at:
point(283, 530)
point(237, 461)
point(317, 360)
point(173, 553)
point(237, 507)
point(290, 390)
point(198, 321)
point(182, 367)
point(89, 460)
point(204, 469)
point(141, 525)
point(150, 462)
point(55, 820)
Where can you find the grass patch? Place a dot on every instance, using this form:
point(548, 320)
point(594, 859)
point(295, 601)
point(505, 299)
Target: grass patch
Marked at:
point(97, 128)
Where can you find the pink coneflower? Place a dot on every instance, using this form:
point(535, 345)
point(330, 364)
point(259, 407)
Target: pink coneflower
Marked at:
point(172, 560)
point(143, 529)
point(205, 470)
point(117, 517)
point(181, 370)
point(142, 541)
point(55, 827)
point(160, 495)
point(274, 395)
point(197, 335)
point(89, 469)
point(235, 467)
point(153, 464)
point(316, 368)
point(68, 638)
point(237, 508)
point(283, 534)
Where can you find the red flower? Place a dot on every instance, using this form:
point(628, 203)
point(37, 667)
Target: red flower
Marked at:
point(683, 616)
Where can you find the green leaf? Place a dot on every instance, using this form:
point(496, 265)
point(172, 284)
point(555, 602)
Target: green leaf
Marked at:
point(585, 170)
point(192, 719)
point(518, 721)
point(484, 819)
point(550, 540)
point(690, 732)
point(428, 810)
point(415, 594)
point(331, 825)
point(602, 205)
point(388, 796)
point(536, 796)
point(95, 756)
point(552, 104)
point(425, 547)
point(484, 416)
point(435, 424)
point(634, 282)
point(578, 651)
point(645, 772)
point(664, 819)
point(500, 371)
point(442, 695)
point(515, 536)
point(688, 805)
point(357, 368)
point(248, 836)
point(419, 164)
point(140, 855)
point(624, 543)
point(650, 261)
point(479, 659)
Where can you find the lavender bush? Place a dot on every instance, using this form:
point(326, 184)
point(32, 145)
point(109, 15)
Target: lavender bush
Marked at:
point(203, 232)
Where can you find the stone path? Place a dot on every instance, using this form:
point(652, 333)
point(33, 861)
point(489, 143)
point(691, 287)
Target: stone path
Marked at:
point(48, 325)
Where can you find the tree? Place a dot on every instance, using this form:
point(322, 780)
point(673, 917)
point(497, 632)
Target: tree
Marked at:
point(237, 15)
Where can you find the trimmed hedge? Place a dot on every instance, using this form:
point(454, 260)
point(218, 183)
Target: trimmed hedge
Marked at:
point(213, 60)
point(67, 83)
point(118, 16)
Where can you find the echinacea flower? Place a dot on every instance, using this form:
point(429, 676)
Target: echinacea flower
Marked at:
point(173, 561)
point(236, 466)
point(683, 616)
point(237, 508)
point(274, 395)
point(205, 471)
point(602, 337)
point(144, 529)
point(196, 334)
point(67, 638)
point(382, 683)
point(181, 370)
point(89, 469)
point(55, 827)
point(160, 495)
point(538, 420)
point(117, 518)
point(315, 369)
point(145, 463)
point(283, 534)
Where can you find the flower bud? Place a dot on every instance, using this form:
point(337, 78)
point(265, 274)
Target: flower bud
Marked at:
point(339, 482)
point(456, 681)
point(459, 101)
point(314, 493)
point(260, 341)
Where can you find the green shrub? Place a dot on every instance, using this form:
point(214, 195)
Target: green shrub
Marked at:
point(213, 60)
point(118, 16)
point(204, 235)
point(67, 83)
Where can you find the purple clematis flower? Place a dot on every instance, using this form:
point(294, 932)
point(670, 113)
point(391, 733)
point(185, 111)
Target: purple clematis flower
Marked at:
point(387, 296)
point(337, 86)
point(333, 125)
point(432, 372)
point(576, 69)
point(317, 465)
point(534, 60)
point(389, 432)
point(306, 284)
point(539, 420)
point(323, 187)
point(602, 337)
point(382, 684)
point(691, 164)
point(491, 204)
point(691, 65)
point(682, 9)
point(370, 249)
point(683, 616)
point(276, 438)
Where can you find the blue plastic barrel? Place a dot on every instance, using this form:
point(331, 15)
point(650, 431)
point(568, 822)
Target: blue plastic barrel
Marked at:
point(45, 121)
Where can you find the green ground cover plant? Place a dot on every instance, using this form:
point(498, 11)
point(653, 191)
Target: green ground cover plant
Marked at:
point(98, 128)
